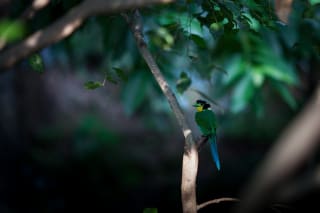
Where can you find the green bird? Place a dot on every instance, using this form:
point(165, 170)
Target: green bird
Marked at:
point(206, 121)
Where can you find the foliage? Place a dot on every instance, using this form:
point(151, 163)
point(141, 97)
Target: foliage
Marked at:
point(229, 50)
point(93, 84)
point(11, 31)
point(36, 63)
point(183, 82)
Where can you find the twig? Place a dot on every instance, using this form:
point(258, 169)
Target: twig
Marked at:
point(218, 200)
point(201, 142)
point(65, 26)
point(190, 156)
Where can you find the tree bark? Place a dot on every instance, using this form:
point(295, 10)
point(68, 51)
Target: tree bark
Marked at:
point(190, 155)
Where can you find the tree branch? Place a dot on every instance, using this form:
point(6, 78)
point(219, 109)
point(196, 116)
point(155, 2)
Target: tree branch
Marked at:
point(218, 200)
point(190, 156)
point(201, 142)
point(297, 143)
point(65, 26)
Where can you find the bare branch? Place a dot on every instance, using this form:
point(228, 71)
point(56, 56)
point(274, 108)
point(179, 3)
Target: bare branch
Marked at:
point(201, 142)
point(218, 200)
point(292, 149)
point(65, 26)
point(190, 156)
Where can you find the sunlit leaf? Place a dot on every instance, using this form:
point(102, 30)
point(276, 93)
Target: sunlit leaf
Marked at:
point(280, 75)
point(11, 30)
point(257, 78)
point(314, 2)
point(162, 38)
point(183, 82)
point(93, 84)
point(190, 25)
point(36, 63)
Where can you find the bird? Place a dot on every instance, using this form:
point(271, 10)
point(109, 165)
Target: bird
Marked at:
point(206, 121)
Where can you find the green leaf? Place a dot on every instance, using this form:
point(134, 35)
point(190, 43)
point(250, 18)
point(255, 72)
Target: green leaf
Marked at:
point(93, 84)
point(286, 94)
point(109, 76)
point(257, 78)
point(236, 69)
point(150, 210)
point(198, 40)
point(312, 2)
point(183, 83)
point(189, 25)
point(121, 74)
point(11, 30)
point(279, 74)
point(242, 95)
point(134, 92)
point(36, 63)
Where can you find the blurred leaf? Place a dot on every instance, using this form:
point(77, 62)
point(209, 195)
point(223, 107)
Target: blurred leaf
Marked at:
point(11, 30)
point(198, 40)
point(36, 63)
point(93, 84)
point(312, 2)
point(190, 25)
point(243, 92)
point(162, 38)
point(150, 210)
point(235, 67)
point(110, 76)
point(277, 74)
point(286, 94)
point(218, 68)
point(205, 96)
point(183, 83)
point(257, 78)
point(134, 92)
point(193, 57)
point(121, 74)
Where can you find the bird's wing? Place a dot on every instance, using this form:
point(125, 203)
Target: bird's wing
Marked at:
point(206, 122)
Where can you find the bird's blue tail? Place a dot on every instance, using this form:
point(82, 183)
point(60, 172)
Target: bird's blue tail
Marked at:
point(214, 151)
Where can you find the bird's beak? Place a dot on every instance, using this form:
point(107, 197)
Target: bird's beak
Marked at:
point(196, 105)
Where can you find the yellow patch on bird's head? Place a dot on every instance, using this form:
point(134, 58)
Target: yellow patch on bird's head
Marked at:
point(201, 105)
point(199, 108)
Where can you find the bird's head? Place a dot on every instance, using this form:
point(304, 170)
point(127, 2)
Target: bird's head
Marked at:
point(201, 105)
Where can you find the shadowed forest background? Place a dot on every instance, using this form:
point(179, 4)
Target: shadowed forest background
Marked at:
point(84, 125)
